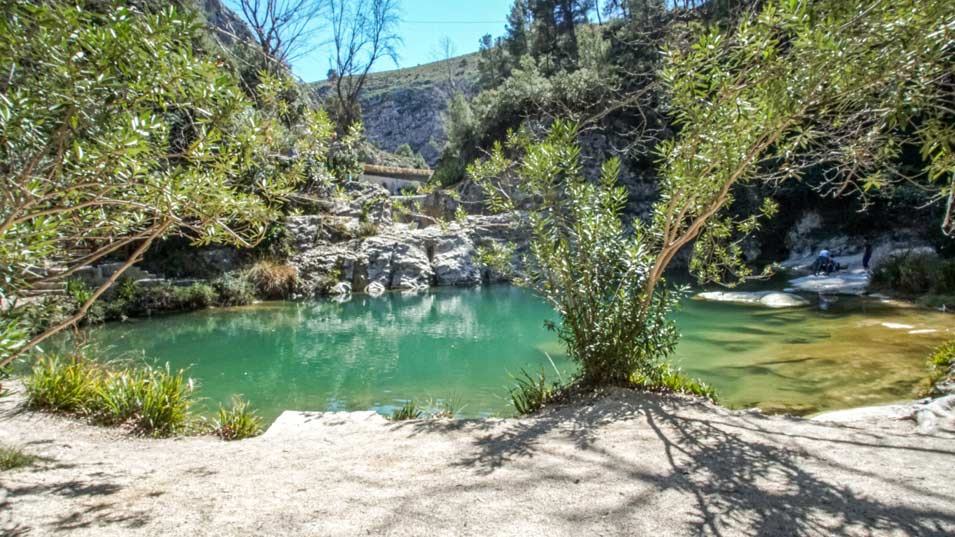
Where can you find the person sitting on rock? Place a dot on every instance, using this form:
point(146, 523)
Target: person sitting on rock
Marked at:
point(823, 263)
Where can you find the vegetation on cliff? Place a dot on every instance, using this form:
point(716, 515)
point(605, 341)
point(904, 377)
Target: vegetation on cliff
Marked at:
point(796, 86)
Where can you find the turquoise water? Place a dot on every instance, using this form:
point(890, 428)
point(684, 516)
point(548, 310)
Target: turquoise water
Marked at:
point(462, 344)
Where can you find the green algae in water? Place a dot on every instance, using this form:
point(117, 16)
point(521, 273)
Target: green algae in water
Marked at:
point(462, 345)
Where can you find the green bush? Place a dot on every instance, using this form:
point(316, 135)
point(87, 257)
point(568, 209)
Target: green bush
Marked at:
point(194, 297)
point(915, 273)
point(13, 458)
point(63, 384)
point(168, 298)
point(450, 170)
point(238, 422)
point(613, 300)
point(234, 289)
point(78, 290)
point(34, 317)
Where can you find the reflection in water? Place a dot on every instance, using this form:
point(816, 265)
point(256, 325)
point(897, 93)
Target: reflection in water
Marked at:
point(375, 353)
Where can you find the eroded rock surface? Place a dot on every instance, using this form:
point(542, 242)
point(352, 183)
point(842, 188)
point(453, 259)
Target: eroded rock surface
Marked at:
point(330, 250)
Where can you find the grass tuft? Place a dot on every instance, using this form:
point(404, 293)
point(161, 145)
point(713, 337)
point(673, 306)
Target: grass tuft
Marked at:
point(530, 393)
point(666, 378)
point(407, 411)
point(12, 458)
point(273, 280)
point(63, 384)
point(941, 368)
point(152, 401)
point(238, 422)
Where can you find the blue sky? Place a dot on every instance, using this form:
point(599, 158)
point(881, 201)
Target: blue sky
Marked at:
point(424, 23)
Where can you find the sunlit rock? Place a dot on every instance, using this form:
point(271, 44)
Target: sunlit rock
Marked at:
point(769, 299)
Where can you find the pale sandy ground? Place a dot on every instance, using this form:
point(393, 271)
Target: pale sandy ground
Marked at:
point(626, 464)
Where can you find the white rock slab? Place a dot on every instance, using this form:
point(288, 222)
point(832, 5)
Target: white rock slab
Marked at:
point(769, 299)
point(840, 283)
point(297, 424)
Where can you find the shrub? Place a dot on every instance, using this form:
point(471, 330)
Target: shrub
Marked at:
point(531, 392)
point(915, 273)
point(238, 422)
point(450, 170)
point(63, 384)
point(153, 401)
point(404, 150)
point(234, 289)
point(613, 301)
point(166, 297)
point(273, 280)
point(12, 458)
point(125, 289)
point(367, 229)
point(408, 411)
point(193, 297)
point(106, 310)
point(33, 317)
point(78, 290)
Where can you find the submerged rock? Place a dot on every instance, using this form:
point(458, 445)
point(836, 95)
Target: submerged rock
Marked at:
point(769, 299)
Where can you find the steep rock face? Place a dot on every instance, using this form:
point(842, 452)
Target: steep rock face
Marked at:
point(227, 25)
point(406, 116)
point(405, 106)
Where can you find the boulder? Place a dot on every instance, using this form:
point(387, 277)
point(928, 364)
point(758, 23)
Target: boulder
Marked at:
point(375, 289)
point(341, 288)
point(455, 261)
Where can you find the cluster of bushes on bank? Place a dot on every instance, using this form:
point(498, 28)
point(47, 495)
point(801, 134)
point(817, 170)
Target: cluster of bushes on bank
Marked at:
point(147, 400)
point(263, 280)
point(918, 274)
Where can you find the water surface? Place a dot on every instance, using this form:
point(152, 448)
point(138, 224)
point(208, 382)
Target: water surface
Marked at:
point(463, 345)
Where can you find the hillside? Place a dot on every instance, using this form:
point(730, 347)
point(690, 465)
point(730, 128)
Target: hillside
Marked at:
point(405, 105)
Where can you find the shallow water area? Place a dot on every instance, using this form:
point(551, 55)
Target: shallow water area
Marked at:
point(462, 345)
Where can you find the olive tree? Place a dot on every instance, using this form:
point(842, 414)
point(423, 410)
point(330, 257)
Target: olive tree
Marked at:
point(114, 133)
point(840, 85)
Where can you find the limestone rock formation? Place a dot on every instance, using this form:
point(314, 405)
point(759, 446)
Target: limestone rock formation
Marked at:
point(333, 257)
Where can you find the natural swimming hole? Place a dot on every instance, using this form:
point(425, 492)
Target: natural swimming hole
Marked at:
point(463, 344)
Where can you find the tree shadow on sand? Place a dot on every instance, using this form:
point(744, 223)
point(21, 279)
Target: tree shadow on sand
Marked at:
point(741, 475)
